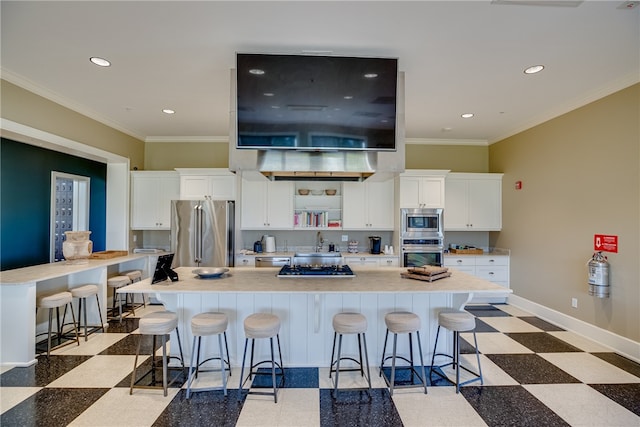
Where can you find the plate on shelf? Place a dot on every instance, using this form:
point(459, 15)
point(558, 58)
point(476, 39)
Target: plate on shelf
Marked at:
point(210, 273)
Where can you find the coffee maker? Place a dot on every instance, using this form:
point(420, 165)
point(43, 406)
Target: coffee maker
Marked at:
point(374, 244)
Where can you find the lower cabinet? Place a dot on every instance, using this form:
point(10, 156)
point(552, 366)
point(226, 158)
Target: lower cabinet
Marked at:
point(372, 261)
point(245, 261)
point(492, 268)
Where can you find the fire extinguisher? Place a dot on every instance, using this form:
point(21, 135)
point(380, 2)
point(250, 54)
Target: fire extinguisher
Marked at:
point(598, 275)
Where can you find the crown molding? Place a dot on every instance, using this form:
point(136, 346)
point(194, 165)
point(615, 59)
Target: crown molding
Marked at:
point(443, 141)
point(190, 139)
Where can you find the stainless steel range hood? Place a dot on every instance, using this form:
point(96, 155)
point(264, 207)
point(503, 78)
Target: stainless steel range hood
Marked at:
point(345, 165)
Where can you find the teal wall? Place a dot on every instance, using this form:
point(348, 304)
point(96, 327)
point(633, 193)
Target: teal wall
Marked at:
point(25, 201)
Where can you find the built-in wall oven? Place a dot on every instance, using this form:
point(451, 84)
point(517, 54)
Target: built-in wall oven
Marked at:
point(422, 237)
point(416, 252)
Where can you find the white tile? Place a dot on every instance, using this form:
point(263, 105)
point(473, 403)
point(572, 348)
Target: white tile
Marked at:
point(589, 369)
point(496, 343)
point(11, 396)
point(440, 407)
point(510, 324)
point(492, 374)
point(514, 311)
point(295, 407)
point(118, 408)
point(580, 342)
point(99, 371)
point(581, 405)
point(95, 344)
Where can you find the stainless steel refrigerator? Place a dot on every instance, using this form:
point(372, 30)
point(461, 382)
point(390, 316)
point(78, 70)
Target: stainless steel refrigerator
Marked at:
point(202, 233)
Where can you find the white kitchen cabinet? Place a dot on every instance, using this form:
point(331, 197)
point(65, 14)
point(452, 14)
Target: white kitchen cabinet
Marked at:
point(422, 189)
point(245, 261)
point(196, 184)
point(266, 205)
point(372, 261)
point(151, 195)
point(473, 202)
point(368, 205)
point(494, 268)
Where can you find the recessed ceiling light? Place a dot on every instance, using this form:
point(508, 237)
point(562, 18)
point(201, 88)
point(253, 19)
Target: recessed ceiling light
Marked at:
point(268, 94)
point(534, 69)
point(348, 97)
point(168, 111)
point(256, 71)
point(467, 115)
point(370, 75)
point(100, 61)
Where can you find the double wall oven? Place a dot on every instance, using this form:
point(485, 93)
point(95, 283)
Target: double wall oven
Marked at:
point(421, 237)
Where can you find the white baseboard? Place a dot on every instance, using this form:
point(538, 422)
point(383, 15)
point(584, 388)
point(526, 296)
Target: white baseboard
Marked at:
point(619, 344)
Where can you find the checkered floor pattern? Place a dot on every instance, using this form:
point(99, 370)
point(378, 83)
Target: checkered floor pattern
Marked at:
point(535, 373)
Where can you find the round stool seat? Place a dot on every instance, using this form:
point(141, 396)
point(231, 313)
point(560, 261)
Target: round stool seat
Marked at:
point(457, 320)
point(55, 300)
point(158, 323)
point(209, 324)
point(133, 275)
point(84, 291)
point(261, 325)
point(402, 322)
point(118, 281)
point(349, 323)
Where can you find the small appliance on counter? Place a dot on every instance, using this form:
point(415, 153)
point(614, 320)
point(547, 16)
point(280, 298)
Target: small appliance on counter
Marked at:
point(268, 243)
point(257, 247)
point(374, 245)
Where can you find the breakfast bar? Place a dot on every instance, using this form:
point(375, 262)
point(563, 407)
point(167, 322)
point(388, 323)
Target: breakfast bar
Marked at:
point(306, 305)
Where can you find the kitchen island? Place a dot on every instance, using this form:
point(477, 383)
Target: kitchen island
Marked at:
point(306, 306)
point(20, 287)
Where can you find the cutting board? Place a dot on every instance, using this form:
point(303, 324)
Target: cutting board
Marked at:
point(424, 277)
point(108, 254)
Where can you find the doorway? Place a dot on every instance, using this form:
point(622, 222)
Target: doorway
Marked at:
point(69, 208)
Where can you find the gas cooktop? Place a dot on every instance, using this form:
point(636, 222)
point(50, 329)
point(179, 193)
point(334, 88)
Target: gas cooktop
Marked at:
point(330, 271)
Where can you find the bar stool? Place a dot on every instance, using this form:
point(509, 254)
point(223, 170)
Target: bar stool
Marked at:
point(256, 326)
point(208, 324)
point(158, 323)
point(60, 299)
point(115, 283)
point(402, 322)
point(82, 292)
point(135, 276)
point(456, 321)
point(350, 323)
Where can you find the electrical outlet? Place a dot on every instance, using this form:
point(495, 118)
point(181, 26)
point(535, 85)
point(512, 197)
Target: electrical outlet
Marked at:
point(345, 237)
point(574, 302)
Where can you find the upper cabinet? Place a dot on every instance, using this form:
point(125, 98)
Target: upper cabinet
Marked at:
point(195, 184)
point(421, 189)
point(266, 205)
point(474, 202)
point(317, 204)
point(368, 205)
point(151, 195)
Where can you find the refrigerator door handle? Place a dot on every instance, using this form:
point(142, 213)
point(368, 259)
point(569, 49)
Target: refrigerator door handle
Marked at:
point(197, 250)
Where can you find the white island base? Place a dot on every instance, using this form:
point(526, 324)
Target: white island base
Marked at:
point(306, 307)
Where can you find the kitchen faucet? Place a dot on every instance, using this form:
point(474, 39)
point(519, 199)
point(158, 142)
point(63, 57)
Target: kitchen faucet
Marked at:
point(319, 242)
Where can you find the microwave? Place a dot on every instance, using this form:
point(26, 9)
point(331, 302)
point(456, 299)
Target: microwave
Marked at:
point(422, 221)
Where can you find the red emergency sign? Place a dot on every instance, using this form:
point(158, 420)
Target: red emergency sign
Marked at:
point(605, 243)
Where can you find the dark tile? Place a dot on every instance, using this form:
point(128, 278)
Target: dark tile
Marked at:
point(486, 311)
point(531, 369)
point(293, 378)
point(52, 407)
point(620, 362)
point(437, 378)
point(542, 342)
point(205, 408)
point(510, 406)
point(129, 344)
point(484, 327)
point(355, 408)
point(627, 395)
point(128, 325)
point(405, 376)
point(42, 373)
point(541, 324)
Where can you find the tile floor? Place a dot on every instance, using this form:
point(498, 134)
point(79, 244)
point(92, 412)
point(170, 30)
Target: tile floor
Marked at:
point(534, 374)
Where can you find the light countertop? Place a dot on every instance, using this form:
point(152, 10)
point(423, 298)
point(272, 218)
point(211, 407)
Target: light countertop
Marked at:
point(369, 280)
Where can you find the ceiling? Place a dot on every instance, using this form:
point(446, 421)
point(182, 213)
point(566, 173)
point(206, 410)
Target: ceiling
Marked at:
point(457, 56)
